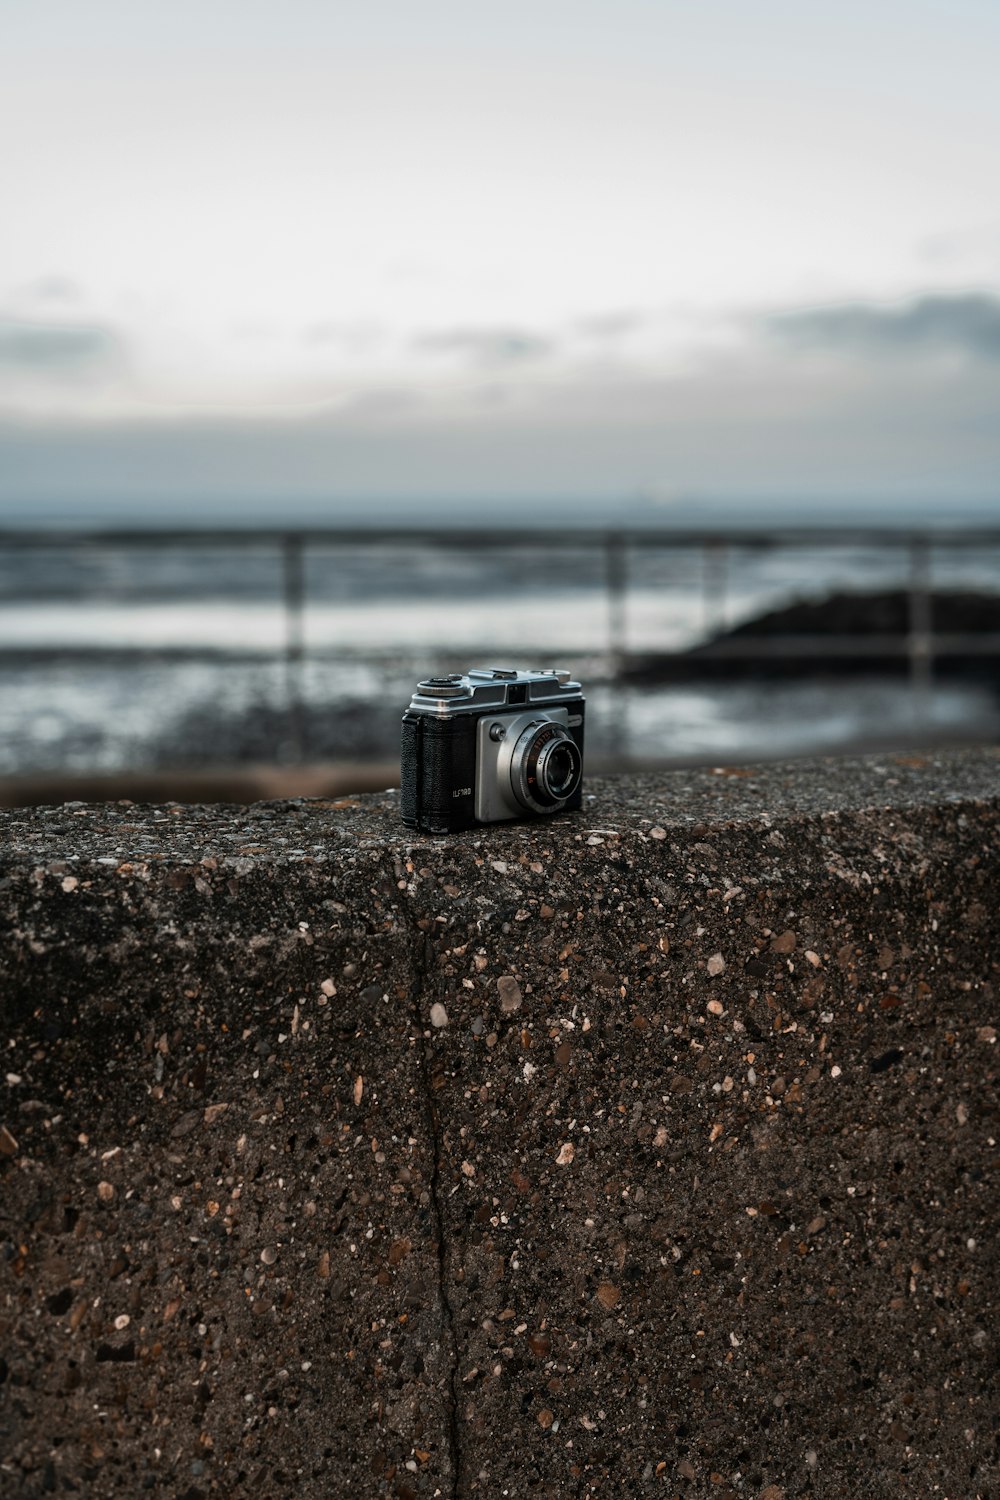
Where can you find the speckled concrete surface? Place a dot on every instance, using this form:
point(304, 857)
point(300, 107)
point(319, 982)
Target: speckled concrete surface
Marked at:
point(646, 1151)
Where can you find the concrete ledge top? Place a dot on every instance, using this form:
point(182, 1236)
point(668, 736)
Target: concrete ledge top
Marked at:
point(677, 802)
point(648, 1151)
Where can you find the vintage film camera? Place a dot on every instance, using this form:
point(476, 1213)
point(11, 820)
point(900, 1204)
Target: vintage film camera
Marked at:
point(491, 744)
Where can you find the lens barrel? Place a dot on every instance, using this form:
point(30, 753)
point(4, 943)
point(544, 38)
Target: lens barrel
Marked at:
point(546, 767)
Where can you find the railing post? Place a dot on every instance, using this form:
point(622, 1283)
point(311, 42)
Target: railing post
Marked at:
point(617, 582)
point(294, 599)
point(714, 580)
point(920, 638)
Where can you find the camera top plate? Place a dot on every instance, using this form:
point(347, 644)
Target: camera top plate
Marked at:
point(484, 689)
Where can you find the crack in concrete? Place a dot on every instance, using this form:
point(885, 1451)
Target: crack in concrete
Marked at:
point(449, 1330)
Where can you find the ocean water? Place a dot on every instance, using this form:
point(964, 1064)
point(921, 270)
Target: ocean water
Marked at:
point(115, 657)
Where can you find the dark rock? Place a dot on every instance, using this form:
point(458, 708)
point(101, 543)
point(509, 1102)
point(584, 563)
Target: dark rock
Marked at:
point(873, 626)
point(118, 1354)
point(886, 1060)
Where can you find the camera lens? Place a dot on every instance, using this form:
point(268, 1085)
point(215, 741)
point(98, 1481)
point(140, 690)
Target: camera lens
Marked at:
point(560, 771)
point(545, 767)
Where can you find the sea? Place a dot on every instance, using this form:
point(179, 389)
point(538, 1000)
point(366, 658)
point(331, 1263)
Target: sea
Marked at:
point(165, 653)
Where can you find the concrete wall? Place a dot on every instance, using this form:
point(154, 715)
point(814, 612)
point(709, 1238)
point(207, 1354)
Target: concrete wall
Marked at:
point(648, 1151)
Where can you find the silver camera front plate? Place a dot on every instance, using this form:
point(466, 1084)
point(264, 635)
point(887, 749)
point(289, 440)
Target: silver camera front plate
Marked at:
point(501, 791)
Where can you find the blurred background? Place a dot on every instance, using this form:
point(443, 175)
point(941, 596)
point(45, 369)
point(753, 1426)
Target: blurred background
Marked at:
point(341, 345)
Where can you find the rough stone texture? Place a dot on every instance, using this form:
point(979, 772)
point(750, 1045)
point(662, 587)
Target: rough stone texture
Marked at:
point(684, 1188)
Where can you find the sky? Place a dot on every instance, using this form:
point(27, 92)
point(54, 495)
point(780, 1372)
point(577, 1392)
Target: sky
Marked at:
point(321, 255)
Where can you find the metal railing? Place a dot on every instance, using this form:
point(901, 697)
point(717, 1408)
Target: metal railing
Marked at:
point(919, 647)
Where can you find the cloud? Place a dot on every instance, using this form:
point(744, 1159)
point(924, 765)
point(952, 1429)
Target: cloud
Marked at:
point(55, 289)
point(349, 338)
point(55, 348)
point(764, 430)
point(979, 245)
point(384, 403)
point(487, 346)
point(966, 324)
point(610, 327)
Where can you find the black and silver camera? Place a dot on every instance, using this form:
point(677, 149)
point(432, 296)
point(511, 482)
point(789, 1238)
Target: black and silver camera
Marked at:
point(489, 745)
